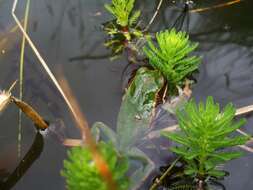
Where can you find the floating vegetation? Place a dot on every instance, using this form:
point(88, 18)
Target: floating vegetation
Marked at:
point(134, 120)
point(172, 58)
point(123, 30)
point(81, 172)
point(160, 83)
point(204, 139)
point(122, 10)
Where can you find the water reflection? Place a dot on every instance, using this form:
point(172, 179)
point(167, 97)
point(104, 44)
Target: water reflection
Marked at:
point(69, 33)
point(30, 157)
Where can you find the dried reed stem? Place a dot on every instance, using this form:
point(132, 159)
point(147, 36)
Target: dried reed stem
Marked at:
point(154, 16)
point(215, 6)
point(74, 108)
point(40, 58)
point(87, 136)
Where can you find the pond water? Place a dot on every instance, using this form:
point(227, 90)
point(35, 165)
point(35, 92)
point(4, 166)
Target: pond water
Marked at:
point(69, 35)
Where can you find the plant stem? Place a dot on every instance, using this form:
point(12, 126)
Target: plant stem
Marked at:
point(154, 16)
point(21, 76)
point(158, 181)
point(216, 6)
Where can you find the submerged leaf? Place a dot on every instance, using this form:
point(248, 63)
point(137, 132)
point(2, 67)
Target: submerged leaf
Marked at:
point(138, 106)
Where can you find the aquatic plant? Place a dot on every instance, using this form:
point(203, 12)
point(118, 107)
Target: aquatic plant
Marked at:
point(134, 120)
point(120, 147)
point(171, 57)
point(81, 172)
point(204, 136)
point(122, 11)
point(123, 30)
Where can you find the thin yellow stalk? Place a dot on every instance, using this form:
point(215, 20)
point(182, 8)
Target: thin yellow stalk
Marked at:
point(21, 76)
point(73, 106)
point(40, 58)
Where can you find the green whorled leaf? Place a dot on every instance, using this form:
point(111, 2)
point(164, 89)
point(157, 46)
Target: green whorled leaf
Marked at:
point(226, 156)
point(216, 173)
point(81, 172)
point(171, 56)
point(211, 163)
point(191, 169)
point(229, 129)
point(205, 134)
point(133, 19)
point(138, 106)
point(229, 142)
point(224, 118)
point(121, 10)
point(186, 153)
point(177, 137)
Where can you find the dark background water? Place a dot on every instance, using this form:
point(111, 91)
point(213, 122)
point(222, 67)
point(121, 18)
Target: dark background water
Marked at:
point(66, 29)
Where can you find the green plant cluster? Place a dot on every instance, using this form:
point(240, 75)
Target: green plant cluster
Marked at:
point(205, 134)
point(81, 172)
point(122, 11)
point(123, 31)
point(171, 57)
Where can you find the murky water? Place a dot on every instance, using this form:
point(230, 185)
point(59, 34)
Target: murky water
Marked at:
point(65, 31)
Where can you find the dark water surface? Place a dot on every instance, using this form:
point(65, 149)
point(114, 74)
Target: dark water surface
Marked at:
point(63, 30)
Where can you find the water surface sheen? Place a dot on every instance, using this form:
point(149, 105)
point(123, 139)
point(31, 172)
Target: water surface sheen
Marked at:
point(65, 30)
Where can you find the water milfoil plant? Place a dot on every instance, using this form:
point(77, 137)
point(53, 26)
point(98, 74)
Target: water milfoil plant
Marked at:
point(123, 30)
point(204, 138)
point(171, 56)
point(81, 171)
point(123, 12)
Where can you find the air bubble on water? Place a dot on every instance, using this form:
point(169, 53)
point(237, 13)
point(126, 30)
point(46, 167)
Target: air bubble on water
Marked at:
point(227, 27)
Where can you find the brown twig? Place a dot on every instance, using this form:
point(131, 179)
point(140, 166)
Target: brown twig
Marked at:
point(86, 135)
point(154, 16)
point(73, 106)
point(215, 6)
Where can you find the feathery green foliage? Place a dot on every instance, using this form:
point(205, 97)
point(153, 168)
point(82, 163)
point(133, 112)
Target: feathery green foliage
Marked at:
point(122, 31)
point(121, 10)
point(171, 57)
point(204, 134)
point(81, 172)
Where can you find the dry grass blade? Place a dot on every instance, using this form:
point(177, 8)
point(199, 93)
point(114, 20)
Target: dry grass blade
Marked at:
point(78, 116)
point(216, 6)
point(86, 135)
point(40, 58)
point(154, 16)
